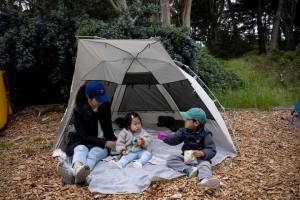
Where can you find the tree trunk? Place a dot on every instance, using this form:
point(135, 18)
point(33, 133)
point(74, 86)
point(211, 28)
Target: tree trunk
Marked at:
point(216, 9)
point(165, 12)
point(276, 25)
point(186, 13)
point(119, 5)
point(288, 16)
point(232, 14)
point(261, 35)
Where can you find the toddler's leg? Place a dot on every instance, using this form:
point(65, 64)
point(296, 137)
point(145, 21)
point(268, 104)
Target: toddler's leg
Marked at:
point(131, 156)
point(144, 157)
point(176, 162)
point(204, 169)
point(205, 175)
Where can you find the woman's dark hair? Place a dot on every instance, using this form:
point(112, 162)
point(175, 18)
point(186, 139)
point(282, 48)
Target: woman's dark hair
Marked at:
point(129, 117)
point(81, 97)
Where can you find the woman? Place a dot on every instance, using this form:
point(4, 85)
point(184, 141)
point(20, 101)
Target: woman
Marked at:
point(92, 106)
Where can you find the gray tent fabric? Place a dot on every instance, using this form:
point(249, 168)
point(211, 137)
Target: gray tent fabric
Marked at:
point(139, 75)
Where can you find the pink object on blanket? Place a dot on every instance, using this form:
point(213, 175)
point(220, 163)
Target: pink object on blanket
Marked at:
point(162, 135)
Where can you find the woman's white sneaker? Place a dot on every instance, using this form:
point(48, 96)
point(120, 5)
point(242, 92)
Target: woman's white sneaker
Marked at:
point(65, 173)
point(81, 173)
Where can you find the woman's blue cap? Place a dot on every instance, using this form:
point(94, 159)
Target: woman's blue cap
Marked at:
point(95, 89)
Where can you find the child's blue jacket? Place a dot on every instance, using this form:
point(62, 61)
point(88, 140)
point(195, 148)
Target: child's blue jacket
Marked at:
point(198, 140)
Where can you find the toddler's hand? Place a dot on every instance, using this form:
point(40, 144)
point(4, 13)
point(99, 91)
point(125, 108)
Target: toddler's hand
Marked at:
point(162, 135)
point(123, 152)
point(140, 142)
point(198, 153)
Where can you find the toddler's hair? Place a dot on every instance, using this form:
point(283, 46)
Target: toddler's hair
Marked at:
point(129, 117)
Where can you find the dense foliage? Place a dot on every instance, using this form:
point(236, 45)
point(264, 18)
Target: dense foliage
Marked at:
point(38, 55)
point(38, 48)
point(216, 77)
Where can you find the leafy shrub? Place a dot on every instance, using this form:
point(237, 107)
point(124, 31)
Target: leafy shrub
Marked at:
point(287, 64)
point(38, 55)
point(38, 50)
point(214, 75)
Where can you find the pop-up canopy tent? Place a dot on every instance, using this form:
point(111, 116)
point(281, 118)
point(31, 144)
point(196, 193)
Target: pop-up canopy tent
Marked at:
point(140, 76)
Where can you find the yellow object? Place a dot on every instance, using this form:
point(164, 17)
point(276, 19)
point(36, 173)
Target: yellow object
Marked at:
point(5, 108)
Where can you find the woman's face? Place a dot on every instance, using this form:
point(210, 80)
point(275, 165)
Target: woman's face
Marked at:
point(135, 125)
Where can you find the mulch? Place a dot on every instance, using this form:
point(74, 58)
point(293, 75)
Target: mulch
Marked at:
point(268, 166)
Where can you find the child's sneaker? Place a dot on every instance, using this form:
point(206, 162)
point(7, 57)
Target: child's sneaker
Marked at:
point(137, 164)
point(81, 173)
point(65, 173)
point(210, 183)
point(193, 172)
point(115, 164)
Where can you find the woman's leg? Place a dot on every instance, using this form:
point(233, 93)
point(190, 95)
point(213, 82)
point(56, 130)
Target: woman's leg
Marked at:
point(95, 154)
point(80, 155)
point(128, 158)
point(79, 159)
point(144, 156)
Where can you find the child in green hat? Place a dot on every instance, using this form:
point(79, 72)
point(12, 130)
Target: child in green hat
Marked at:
point(197, 140)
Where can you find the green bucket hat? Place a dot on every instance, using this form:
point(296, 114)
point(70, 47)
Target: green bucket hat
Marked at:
point(195, 114)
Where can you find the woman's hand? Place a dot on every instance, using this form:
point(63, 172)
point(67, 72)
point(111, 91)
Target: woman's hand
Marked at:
point(110, 144)
point(140, 142)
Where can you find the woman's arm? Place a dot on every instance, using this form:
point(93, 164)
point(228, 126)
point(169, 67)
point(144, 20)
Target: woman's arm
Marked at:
point(104, 116)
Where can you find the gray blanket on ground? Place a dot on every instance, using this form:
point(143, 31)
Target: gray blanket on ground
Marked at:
point(105, 179)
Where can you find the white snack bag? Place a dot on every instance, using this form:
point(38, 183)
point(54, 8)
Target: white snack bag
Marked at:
point(189, 157)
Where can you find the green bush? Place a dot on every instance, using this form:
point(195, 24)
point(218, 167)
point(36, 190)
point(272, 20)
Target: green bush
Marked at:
point(286, 64)
point(214, 75)
point(38, 55)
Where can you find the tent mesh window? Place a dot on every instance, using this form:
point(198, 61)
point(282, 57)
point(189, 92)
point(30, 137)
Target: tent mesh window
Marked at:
point(185, 97)
point(142, 97)
point(139, 78)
